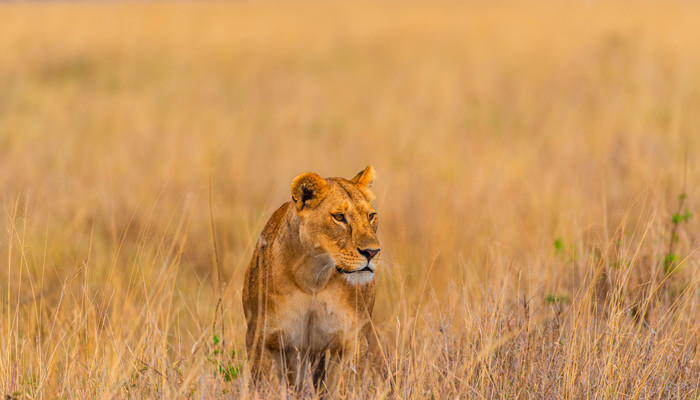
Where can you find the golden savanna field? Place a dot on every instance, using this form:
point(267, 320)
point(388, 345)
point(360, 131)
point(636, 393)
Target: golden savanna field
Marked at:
point(537, 188)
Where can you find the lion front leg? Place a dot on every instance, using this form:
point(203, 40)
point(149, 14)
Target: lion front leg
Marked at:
point(345, 366)
point(267, 365)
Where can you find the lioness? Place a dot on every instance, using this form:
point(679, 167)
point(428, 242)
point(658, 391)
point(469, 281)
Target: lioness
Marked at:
point(308, 293)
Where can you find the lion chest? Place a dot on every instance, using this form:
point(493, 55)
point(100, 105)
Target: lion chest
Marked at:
point(316, 322)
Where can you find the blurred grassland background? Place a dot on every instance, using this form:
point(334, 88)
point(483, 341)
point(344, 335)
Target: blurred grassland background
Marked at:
point(529, 156)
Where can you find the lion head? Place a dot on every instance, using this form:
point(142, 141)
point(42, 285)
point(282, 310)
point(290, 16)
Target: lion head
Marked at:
point(337, 222)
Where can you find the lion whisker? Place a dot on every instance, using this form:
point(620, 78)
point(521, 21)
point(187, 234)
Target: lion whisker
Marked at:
point(329, 264)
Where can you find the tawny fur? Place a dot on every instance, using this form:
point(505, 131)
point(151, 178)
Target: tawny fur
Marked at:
point(309, 292)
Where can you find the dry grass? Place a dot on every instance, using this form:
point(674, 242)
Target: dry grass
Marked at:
point(496, 129)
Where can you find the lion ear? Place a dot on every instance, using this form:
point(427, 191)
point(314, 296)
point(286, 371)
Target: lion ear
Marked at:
point(308, 190)
point(364, 180)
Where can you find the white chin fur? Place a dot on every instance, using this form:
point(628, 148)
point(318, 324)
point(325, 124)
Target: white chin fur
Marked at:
point(359, 278)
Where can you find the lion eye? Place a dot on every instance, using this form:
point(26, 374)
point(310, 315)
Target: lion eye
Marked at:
point(372, 216)
point(339, 217)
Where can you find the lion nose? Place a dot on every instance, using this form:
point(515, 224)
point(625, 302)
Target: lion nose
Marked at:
point(368, 253)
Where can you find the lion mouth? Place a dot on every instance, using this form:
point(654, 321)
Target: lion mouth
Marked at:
point(367, 268)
